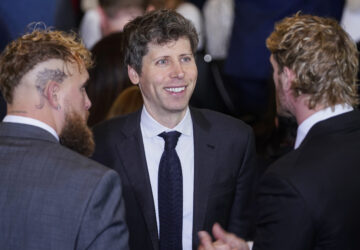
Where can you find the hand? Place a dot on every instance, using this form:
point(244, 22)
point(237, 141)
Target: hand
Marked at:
point(224, 240)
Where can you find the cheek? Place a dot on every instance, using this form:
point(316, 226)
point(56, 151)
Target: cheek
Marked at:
point(192, 73)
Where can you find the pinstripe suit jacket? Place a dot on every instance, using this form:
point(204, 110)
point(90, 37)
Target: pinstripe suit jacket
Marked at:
point(53, 198)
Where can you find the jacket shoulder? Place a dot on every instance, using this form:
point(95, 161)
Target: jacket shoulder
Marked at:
point(219, 121)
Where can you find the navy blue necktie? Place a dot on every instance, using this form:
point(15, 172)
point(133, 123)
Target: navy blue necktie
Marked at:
point(170, 194)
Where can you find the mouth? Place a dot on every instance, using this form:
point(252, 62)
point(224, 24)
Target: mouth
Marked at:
point(176, 90)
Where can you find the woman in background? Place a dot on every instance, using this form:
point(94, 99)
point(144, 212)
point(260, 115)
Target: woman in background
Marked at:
point(107, 78)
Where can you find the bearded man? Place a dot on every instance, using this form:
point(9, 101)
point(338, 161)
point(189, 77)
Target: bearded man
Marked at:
point(310, 198)
point(50, 196)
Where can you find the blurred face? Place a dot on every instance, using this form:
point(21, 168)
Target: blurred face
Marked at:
point(282, 105)
point(117, 23)
point(168, 78)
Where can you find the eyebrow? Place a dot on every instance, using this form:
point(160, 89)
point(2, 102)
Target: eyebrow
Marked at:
point(187, 54)
point(160, 57)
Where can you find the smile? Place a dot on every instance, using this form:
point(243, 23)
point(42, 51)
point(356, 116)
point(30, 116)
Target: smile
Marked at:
point(175, 90)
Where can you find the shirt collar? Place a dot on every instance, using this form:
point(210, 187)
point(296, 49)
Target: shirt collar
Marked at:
point(151, 128)
point(30, 121)
point(321, 115)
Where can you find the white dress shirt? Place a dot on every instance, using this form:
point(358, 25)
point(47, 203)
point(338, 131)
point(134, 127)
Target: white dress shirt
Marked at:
point(154, 147)
point(30, 121)
point(321, 115)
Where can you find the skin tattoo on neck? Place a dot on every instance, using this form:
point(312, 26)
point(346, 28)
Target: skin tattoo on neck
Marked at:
point(43, 77)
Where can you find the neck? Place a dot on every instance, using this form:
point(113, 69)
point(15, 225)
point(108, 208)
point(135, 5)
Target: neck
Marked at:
point(167, 119)
point(43, 115)
point(302, 111)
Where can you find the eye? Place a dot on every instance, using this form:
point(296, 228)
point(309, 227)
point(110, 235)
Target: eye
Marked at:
point(161, 62)
point(186, 59)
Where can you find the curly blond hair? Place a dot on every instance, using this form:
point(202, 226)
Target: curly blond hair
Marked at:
point(21, 56)
point(322, 55)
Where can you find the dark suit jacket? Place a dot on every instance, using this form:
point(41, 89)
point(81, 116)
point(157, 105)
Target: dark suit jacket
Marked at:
point(52, 198)
point(224, 174)
point(310, 199)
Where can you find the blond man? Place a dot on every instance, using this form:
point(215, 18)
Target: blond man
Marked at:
point(310, 199)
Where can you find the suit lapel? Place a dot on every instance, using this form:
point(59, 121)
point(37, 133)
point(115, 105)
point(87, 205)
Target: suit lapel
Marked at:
point(131, 151)
point(204, 166)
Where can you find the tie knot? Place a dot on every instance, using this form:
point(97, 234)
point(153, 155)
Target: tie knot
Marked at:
point(171, 139)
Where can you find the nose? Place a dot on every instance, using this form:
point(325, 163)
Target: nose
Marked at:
point(177, 70)
point(87, 102)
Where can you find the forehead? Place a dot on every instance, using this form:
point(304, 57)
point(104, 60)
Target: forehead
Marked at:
point(180, 46)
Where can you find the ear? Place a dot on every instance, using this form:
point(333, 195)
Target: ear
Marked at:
point(133, 75)
point(288, 77)
point(52, 94)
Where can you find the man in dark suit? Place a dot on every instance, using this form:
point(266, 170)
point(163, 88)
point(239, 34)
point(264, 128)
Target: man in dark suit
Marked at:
point(310, 199)
point(50, 196)
point(216, 152)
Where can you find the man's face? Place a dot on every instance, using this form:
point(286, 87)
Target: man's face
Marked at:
point(168, 78)
point(75, 133)
point(282, 105)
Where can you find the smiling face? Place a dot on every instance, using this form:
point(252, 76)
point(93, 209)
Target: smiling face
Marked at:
point(167, 80)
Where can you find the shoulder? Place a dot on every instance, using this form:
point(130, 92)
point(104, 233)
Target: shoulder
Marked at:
point(300, 169)
point(64, 167)
point(218, 121)
point(74, 162)
point(119, 125)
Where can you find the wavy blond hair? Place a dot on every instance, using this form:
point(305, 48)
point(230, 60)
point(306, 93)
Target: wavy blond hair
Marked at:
point(21, 56)
point(322, 55)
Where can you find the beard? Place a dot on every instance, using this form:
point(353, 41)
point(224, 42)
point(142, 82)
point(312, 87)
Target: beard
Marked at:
point(282, 106)
point(76, 135)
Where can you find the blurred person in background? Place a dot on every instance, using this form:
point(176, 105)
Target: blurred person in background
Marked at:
point(190, 12)
point(108, 77)
point(128, 101)
point(109, 16)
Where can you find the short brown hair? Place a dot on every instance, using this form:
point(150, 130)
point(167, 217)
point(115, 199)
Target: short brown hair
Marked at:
point(21, 56)
point(159, 27)
point(322, 55)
